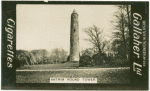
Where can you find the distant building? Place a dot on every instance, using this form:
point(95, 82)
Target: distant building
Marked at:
point(110, 52)
point(89, 51)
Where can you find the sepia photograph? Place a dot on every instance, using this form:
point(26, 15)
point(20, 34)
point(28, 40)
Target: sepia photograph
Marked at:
point(89, 42)
point(75, 45)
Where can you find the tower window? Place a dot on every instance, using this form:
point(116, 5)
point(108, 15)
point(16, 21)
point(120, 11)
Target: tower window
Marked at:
point(74, 30)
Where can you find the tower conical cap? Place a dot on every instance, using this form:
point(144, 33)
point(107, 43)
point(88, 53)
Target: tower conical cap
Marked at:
point(74, 11)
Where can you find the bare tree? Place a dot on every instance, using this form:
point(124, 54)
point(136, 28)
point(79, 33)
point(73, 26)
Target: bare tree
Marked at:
point(96, 38)
point(122, 26)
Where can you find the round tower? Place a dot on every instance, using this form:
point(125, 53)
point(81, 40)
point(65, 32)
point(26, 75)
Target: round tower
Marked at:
point(74, 37)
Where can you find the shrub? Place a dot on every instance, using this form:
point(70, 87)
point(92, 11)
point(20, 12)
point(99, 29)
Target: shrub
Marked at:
point(85, 60)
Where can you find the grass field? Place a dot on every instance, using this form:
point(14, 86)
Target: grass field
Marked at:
point(42, 73)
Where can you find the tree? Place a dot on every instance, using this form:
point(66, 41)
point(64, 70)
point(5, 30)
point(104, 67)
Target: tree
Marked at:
point(122, 25)
point(96, 38)
point(22, 59)
point(26, 58)
point(39, 55)
point(58, 55)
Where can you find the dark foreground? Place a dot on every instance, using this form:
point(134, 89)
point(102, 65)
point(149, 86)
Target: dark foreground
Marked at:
point(42, 73)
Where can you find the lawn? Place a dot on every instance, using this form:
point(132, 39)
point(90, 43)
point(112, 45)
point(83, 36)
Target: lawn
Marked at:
point(42, 74)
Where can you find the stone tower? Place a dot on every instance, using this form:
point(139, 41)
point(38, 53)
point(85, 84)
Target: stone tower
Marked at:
point(74, 37)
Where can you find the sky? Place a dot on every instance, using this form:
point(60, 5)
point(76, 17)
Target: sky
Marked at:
point(48, 26)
